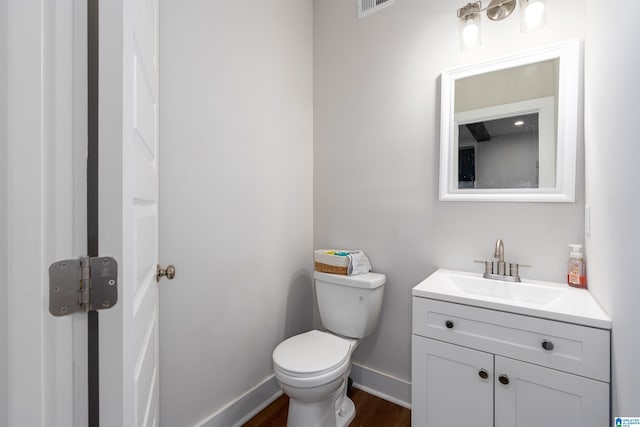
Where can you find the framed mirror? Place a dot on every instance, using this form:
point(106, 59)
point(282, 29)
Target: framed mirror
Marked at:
point(509, 127)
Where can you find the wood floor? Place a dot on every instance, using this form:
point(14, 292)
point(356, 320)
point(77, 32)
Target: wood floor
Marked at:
point(371, 411)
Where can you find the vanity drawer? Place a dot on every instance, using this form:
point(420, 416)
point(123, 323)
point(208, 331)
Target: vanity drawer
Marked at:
point(581, 350)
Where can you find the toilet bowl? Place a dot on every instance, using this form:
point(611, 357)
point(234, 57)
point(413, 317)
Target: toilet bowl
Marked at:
point(312, 368)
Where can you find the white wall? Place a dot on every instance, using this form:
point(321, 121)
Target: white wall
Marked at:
point(612, 156)
point(4, 327)
point(376, 150)
point(236, 195)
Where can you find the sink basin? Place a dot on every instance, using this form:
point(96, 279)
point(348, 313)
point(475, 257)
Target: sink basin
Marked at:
point(549, 300)
point(523, 291)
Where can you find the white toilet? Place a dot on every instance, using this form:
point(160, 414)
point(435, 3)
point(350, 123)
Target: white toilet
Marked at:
point(312, 368)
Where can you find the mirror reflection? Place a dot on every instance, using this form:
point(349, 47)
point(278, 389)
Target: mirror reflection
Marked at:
point(505, 151)
point(506, 126)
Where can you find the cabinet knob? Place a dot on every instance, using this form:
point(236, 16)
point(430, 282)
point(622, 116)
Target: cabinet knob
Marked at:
point(504, 380)
point(483, 374)
point(547, 345)
point(449, 324)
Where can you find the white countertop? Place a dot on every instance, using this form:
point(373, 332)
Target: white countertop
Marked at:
point(566, 304)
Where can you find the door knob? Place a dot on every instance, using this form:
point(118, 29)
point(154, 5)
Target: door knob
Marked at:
point(484, 374)
point(504, 380)
point(169, 272)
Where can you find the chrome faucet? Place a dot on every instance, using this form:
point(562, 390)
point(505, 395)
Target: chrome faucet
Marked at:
point(497, 268)
point(499, 255)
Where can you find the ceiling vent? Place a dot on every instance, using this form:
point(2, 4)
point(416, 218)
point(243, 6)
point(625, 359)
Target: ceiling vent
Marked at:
point(366, 7)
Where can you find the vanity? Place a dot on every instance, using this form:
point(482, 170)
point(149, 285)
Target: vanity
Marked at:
point(491, 353)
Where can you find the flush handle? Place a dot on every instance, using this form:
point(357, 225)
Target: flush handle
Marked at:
point(547, 345)
point(169, 272)
point(449, 324)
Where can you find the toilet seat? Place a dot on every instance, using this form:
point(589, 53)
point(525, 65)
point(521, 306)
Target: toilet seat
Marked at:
point(311, 358)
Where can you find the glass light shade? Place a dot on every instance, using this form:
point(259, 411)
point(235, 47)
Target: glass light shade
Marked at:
point(533, 15)
point(469, 28)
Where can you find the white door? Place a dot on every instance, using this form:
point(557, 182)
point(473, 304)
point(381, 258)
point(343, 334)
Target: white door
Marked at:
point(42, 198)
point(534, 396)
point(452, 385)
point(128, 212)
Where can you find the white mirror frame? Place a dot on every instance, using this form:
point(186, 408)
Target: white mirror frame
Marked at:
point(569, 72)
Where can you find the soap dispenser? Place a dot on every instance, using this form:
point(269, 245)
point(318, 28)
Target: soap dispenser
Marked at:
point(576, 276)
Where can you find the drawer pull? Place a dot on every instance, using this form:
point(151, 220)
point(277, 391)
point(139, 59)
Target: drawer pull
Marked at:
point(547, 345)
point(504, 380)
point(483, 374)
point(449, 324)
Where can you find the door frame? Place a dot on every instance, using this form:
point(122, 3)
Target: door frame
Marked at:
point(44, 208)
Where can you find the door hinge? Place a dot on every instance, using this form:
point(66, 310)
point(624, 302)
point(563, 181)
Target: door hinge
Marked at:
point(83, 284)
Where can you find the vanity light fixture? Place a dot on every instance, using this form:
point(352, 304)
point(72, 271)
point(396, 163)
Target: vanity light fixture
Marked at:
point(532, 17)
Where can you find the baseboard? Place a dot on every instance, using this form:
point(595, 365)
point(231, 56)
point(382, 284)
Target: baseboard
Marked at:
point(243, 408)
point(381, 384)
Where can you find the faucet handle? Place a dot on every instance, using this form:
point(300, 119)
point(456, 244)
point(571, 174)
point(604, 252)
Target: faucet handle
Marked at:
point(514, 268)
point(488, 266)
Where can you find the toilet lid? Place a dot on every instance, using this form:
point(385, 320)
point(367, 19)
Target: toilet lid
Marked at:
point(313, 352)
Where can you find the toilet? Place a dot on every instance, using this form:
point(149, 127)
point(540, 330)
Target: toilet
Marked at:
point(313, 368)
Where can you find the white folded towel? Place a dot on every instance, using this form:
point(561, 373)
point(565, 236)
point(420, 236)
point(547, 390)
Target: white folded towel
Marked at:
point(358, 263)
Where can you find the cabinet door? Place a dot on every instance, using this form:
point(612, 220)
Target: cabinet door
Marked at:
point(535, 396)
point(447, 386)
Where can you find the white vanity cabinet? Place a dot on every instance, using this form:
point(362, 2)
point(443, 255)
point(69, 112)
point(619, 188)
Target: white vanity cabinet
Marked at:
point(474, 366)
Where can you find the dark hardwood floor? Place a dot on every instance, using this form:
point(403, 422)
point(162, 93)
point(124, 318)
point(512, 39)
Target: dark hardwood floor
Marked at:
point(371, 411)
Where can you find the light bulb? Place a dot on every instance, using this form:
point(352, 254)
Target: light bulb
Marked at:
point(470, 35)
point(533, 15)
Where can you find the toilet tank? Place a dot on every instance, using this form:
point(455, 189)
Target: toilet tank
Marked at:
point(349, 305)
